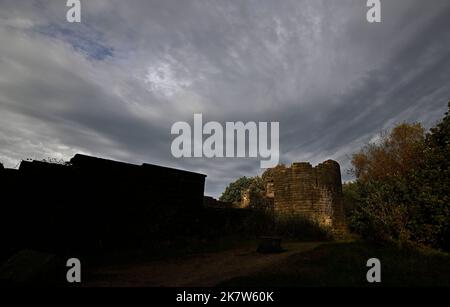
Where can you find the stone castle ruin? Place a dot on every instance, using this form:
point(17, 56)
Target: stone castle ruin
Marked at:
point(311, 192)
point(304, 191)
point(91, 204)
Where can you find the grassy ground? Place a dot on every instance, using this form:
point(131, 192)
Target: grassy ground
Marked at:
point(344, 264)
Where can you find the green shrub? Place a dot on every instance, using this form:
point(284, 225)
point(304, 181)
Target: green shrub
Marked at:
point(398, 199)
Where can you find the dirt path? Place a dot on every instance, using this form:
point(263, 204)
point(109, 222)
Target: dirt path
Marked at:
point(200, 270)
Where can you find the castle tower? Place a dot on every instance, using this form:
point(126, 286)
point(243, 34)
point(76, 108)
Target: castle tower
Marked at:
point(310, 192)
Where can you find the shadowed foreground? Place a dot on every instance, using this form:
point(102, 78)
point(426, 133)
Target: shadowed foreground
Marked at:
point(344, 264)
point(206, 269)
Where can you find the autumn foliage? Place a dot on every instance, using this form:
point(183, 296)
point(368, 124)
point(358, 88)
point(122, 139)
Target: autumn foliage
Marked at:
point(402, 188)
point(395, 155)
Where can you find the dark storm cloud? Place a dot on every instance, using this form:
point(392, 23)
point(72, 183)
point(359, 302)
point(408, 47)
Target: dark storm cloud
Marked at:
point(114, 84)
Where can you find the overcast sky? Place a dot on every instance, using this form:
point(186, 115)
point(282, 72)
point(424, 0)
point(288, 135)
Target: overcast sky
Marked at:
point(113, 85)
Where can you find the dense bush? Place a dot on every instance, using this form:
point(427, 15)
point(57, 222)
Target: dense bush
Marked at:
point(402, 189)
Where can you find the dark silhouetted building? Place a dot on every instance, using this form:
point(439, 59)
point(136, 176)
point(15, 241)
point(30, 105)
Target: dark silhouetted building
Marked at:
point(92, 203)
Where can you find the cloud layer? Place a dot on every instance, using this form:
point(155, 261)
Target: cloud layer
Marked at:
point(114, 84)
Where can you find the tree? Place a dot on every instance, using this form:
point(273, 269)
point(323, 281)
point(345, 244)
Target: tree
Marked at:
point(233, 191)
point(395, 154)
point(432, 187)
point(402, 191)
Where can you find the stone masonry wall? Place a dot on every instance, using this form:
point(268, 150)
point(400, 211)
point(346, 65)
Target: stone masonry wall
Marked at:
point(310, 192)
